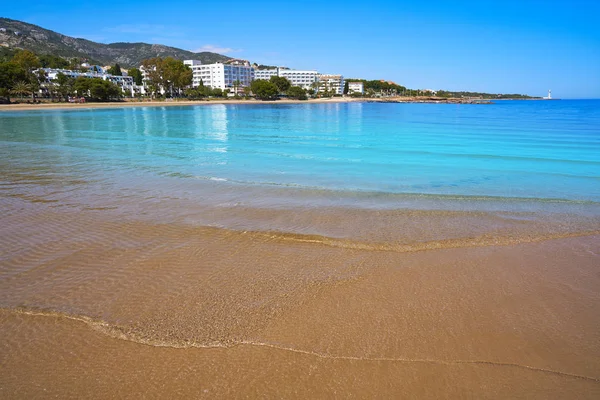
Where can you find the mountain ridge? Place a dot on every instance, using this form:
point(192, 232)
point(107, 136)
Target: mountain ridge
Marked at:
point(23, 35)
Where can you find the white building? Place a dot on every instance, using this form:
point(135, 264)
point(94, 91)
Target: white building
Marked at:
point(330, 83)
point(221, 75)
point(301, 78)
point(265, 74)
point(124, 82)
point(356, 87)
point(304, 79)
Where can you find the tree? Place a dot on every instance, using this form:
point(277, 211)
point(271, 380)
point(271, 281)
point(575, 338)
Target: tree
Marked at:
point(137, 76)
point(281, 83)
point(315, 86)
point(264, 90)
point(104, 90)
point(296, 92)
point(74, 64)
point(195, 93)
point(51, 61)
point(65, 85)
point(168, 74)
point(115, 70)
point(96, 88)
point(236, 85)
point(217, 92)
point(10, 74)
point(27, 60)
point(346, 87)
point(81, 86)
point(177, 75)
point(21, 88)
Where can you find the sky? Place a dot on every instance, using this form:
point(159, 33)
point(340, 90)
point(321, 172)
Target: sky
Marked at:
point(495, 46)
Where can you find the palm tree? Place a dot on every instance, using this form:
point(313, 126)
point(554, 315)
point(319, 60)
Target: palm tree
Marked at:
point(316, 85)
point(21, 88)
point(236, 85)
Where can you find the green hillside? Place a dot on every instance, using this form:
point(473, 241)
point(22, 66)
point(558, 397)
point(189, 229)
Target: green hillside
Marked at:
point(21, 35)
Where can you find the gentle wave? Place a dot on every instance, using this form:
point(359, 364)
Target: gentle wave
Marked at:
point(476, 241)
point(116, 331)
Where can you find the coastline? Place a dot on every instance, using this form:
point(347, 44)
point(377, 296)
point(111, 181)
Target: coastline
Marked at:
point(69, 106)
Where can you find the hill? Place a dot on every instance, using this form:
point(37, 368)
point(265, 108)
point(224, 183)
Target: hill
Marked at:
point(21, 35)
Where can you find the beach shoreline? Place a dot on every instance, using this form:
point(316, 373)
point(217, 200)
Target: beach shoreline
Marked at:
point(334, 100)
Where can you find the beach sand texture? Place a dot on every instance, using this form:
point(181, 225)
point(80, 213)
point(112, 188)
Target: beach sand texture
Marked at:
point(115, 308)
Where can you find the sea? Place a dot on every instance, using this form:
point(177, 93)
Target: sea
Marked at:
point(545, 150)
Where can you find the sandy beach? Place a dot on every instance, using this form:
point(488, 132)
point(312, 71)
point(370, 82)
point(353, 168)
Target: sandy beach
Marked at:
point(129, 103)
point(66, 106)
point(197, 312)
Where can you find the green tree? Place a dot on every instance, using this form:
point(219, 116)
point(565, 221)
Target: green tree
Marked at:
point(21, 88)
point(96, 89)
point(51, 61)
point(27, 60)
point(236, 85)
point(195, 93)
point(65, 85)
point(264, 90)
point(103, 90)
point(115, 70)
point(346, 87)
point(137, 76)
point(282, 84)
point(81, 86)
point(168, 74)
point(74, 64)
point(10, 74)
point(217, 92)
point(296, 92)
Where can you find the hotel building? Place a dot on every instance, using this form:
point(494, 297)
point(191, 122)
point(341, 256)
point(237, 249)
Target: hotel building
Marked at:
point(124, 82)
point(221, 75)
point(356, 87)
point(301, 78)
point(330, 83)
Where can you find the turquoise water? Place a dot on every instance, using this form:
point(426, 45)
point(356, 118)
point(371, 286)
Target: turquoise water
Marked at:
point(511, 149)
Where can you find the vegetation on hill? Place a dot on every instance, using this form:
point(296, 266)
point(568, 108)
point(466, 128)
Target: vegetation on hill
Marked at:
point(444, 93)
point(21, 35)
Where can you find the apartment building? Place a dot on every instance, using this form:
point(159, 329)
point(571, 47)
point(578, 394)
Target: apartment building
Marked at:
point(301, 78)
point(221, 75)
point(265, 74)
point(331, 83)
point(124, 82)
point(356, 87)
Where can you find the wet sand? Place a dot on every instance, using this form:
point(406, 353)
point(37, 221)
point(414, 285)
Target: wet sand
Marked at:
point(94, 305)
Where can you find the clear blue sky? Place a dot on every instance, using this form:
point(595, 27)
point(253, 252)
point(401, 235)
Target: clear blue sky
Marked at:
point(508, 46)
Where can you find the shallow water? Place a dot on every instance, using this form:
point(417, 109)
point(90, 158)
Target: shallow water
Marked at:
point(252, 245)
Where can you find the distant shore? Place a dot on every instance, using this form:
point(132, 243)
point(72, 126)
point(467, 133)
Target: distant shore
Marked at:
point(130, 103)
